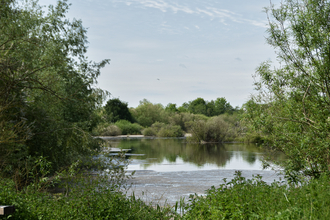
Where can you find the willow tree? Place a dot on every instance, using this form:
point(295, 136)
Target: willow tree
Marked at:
point(293, 104)
point(47, 93)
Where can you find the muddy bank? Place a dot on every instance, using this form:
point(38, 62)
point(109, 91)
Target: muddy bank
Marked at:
point(168, 187)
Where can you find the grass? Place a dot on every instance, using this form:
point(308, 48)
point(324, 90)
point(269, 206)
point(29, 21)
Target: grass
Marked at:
point(238, 199)
point(81, 203)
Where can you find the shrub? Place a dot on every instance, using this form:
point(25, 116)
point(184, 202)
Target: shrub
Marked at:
point(127, 127)
point(157, 126)
point(148, 113)
point(163, 130)
point(87, 200)
point(170, 131)
point(149, 132)
point(106, 129)
point(254, 199)
point(213, 130)
point(254, 137)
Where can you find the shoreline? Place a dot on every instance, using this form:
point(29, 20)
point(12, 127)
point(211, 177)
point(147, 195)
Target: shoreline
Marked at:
point(136, 137)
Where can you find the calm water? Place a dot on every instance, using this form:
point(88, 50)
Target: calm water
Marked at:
point(165, 155)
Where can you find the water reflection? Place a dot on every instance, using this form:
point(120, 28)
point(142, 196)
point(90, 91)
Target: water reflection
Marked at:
point(161, 154)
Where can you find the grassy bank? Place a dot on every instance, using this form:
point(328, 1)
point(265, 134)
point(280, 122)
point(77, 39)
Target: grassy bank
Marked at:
point(254, 199)
point(89, 200)
point(237, 199)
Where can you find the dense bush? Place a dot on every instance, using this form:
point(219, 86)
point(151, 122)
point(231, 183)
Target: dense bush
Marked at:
point(106, 129)
point(148, 113)
point(213, 130)
point(254, 199)
point(127, 127)
point(89, 199)
point(170, 131)
point(48, 95)
point(165, 130)
point(149, 132)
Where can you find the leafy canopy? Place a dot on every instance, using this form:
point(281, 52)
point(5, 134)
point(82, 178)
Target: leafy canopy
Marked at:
point(47, 92)
point(293, 104)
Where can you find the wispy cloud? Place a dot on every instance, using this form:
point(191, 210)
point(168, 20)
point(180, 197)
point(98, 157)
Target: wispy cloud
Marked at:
point(222, 15)
point(182, 65)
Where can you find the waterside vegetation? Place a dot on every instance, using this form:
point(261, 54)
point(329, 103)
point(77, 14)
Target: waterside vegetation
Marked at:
point(50, 108)
point(198, 117)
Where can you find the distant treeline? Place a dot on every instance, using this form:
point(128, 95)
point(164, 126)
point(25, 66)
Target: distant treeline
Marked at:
point(207, 121)
point(118, 110)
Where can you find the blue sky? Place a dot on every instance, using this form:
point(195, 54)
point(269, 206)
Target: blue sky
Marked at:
point(175, 51)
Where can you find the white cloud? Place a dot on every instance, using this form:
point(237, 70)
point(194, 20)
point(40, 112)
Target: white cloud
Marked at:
point(213, 13)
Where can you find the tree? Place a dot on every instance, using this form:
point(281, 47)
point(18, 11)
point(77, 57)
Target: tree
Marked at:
point(148, 113)
point(197, 106)
point(117, 110)
point(183, 107)
point(47, 93)
point(222, 106)
point(293, 103)
point(171, 108)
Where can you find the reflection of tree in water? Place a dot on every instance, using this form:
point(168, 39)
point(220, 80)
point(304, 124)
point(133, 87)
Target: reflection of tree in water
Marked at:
point(171, 149)
point(157, 150)
point(206, 153)
point(250, 157)
point(171, 158)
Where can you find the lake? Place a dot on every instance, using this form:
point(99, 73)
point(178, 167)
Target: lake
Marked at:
point(167, 155)
point(170, 169)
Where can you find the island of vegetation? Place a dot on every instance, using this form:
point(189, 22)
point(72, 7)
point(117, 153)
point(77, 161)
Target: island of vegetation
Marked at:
point(51, 164)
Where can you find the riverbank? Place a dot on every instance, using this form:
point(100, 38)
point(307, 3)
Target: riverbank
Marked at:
point(136, 137)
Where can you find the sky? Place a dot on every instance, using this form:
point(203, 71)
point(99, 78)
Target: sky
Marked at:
point(174, 51)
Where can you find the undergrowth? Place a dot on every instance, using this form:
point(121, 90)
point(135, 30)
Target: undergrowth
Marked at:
point(254, 199)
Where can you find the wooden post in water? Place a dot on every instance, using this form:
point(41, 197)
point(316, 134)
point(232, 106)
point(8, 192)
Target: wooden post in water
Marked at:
point(6, 209)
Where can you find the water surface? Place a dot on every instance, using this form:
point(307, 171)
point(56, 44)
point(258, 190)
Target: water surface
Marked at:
point(166, 155)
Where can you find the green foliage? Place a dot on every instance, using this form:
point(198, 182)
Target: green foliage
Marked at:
point(87, 197)
point(254, 199)
point(147, 113)
point(216, 129)
point(127, 127)
point(117, 110)
point(171, 108)
point(106, 129)
point(207, 108)
point(197, 106)
point(170, 131)
point(149, 132)
point(163, 130)
point(291, 108)
point(47, 93)
point(221, 106)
